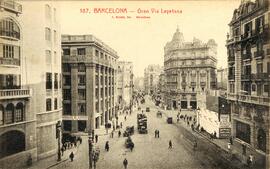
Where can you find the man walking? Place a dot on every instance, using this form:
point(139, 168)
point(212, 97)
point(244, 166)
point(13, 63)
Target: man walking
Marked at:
point(125, 163)
point(107, 146)
point(170, 144)
point(119, 133)
point(96, 137)
point(71, 156)
point(158, 133)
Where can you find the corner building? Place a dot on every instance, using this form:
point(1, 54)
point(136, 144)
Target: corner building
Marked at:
point(151, 78)
point(30, 95)
point(248, 50)
point(189, 68)
point(89, 82)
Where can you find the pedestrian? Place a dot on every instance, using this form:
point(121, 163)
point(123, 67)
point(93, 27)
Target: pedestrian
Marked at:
point(251, 159)
point(113, 127)
point(231, 140)
point(121, 124)
point(107, 147)
point(125, 118)
point(177, 119)
point(125, 163)
point(93, 133)
point(155, 133)
point(158, 133)
point(62, 150)
point(229, 147)
point(131, 146)
point(170, 144)
point(195, 145)
point(96, 137)
point(71, 156)
point(119, 133)
point(112, 134)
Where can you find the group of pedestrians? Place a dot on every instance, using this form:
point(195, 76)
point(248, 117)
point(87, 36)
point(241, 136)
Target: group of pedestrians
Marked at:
point(156, 133)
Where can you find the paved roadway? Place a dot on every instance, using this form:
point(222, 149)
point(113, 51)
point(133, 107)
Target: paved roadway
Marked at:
point(149, 152)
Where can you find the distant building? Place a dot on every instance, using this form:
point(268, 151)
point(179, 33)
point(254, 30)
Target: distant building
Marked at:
point(30, 81)
point(89, 83)
point(151, 77)
point(248, 91)
point(138, 83)
point(189, 67)
point(124, 83)
point(222, 78)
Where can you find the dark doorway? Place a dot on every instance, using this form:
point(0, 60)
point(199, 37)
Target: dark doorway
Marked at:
point(82, 125)
point(193, 104)
point(261, 138)
point(243, 131)
point(183, 104)
point(12, 142)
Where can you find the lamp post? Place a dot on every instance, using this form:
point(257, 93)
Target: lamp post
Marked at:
point(90, 144)
point(58, 136)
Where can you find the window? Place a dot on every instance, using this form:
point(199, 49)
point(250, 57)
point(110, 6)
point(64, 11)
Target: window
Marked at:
point(266, 88)
point(48, 57)
point(81, 67)
point(19, 112)
point(66, 67)
point(48, 80)
point(259, 68)
point(55, 104)
point(66, 109)
point(48, 104)
point(9, 114)
point(48, 34)
point(55, 80)
point(81, 51)
point(47, 11)
point(101, 55)
point(67, 80)
point(81, 93)
point(253, 87)
point(67, 125)
point(97, 107)
point(259, 22)
point(81, 80)
point(10, 51)
point(97, 80)
point(96, 53)
point(9, 28)
point(66, 94)
point(55, 58)
point(81, 125)
point(82, 109)
point(60, 80)
point(66, 51)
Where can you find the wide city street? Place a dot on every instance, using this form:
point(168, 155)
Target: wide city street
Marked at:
point(149, 152)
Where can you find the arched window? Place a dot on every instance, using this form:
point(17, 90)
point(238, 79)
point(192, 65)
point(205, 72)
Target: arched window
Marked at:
point(81, 67)
point(9, 28)
point(12, 142)
point(19, 112)
point(9, 114)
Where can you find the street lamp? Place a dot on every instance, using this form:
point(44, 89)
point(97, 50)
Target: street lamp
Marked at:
point(58, 136)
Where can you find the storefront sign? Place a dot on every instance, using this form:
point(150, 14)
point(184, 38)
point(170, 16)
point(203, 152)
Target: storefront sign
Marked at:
point(224, 132)
point(225, 121)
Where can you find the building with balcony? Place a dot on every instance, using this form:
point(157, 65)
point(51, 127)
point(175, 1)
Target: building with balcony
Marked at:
point(138, 83)
point(151, 77)
point(89, 69)
point(189, 67)
point(249, 73)
point(29, 106)
point(125, 83)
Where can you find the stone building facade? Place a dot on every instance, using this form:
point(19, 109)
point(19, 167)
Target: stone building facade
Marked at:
point(125, 83)
point(89, 69)
point(248, 49)
point(151, 78)
point(222, 78)
point(30, 92)
point(189, 67)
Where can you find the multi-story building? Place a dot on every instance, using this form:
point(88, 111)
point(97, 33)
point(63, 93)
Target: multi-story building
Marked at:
point(189, 68)
point(30, 92)
point(222, 78)
point(151, 77)
point(124, 83)
point(248, 49)
point(89, 69)
point(138, 84)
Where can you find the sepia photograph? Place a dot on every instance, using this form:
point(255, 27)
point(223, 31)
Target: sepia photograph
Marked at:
point(109, 84)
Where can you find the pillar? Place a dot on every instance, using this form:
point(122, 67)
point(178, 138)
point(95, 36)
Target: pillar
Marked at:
point(74, 96)
point(104, 98)
point(90, 95)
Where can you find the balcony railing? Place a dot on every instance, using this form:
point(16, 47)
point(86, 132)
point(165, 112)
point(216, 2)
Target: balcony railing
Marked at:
point(9, 61)
point(231, 77)
point(15, 93)
point(258, 54)
point(260, 76)
point(203, 83)
point(249, 98)
point(193, 83)
point(11, 5)
point(231, 59)
point(245, 76)
point(246, 56)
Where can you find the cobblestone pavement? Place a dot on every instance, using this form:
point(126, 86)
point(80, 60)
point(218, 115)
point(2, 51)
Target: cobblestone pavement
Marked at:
point(149, 152)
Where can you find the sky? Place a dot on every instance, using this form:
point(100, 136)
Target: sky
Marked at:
point(142, 41)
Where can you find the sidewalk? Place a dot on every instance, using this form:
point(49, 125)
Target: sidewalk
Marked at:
point(236, 148)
